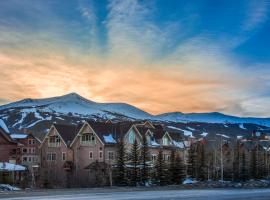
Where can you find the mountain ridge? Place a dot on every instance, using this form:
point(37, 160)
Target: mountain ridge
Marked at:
point(75, 105)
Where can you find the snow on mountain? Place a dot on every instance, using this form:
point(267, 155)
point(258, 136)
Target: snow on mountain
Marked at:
point(72, 108)
point(77, 105)
point(213, 117)
point(3, 126)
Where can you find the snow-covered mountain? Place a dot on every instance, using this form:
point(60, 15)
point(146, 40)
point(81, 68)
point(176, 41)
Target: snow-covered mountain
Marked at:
point(72, 108)
point(212, 117)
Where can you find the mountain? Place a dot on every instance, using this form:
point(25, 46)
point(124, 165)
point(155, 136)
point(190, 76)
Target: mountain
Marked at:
point(39, 114)
point(212, 117)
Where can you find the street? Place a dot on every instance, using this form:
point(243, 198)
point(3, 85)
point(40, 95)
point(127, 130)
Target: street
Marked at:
point(100, 194)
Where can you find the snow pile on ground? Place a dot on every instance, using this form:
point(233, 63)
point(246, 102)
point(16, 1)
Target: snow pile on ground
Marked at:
point(189, 181)
point(5, 166)
point(3, 126)
point(8, 187)
point(109, 139)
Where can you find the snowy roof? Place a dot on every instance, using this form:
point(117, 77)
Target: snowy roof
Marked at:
point(3, 126)
point(5, 166)
point(109, 139)
point(18, 136)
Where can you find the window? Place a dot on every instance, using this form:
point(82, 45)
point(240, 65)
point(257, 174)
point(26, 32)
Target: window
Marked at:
point(51, 156)
point(154, 157)
point(148, 138)
point(30, 159)
point(31, 141)
point(91, 154)
point(100, 154)
point(54, 141)
point(131, 137)
point(63, 156)
point(24, 150)
point(24, 159)
point(165, 141)
point(111, 155)
point(88, 138)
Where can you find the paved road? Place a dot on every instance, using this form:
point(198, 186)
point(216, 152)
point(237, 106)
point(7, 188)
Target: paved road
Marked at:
point(219, 194)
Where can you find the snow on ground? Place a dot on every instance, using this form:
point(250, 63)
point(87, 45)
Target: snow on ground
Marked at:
point(242, 126)
point(204, 134)
point(9, 187)
point(5, 166)
point(186, 133)
point(109, 139)
point(3, 126)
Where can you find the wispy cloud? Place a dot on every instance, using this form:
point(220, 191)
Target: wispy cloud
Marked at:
point(197, 75)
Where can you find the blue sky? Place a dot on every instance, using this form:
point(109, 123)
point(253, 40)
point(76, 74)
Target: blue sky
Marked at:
point(201, 55)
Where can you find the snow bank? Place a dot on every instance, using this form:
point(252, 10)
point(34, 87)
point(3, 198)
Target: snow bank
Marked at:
point(109, 139)
point(5, 166)
point(189, 181)
point(9, 187)
point(4, 126)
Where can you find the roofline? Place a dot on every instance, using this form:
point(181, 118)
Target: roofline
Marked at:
point(85, 123)
point(52, 126)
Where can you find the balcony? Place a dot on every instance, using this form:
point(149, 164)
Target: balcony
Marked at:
point(54, 144)
point(87, 143)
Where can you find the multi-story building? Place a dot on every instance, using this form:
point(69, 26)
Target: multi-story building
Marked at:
point(83, 155)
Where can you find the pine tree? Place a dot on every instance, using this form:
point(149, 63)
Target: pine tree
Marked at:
point(160, 169)
point(243, 172)
point(135, 163)
point(192, 162)
point(179, 169)
point(172, 168)
point(236, 162)
point(121, 168)
point(145, 159)
point(201, 170)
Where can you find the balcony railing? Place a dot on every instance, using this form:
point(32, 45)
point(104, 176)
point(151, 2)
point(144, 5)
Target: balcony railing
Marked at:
point(87, 143)
point(54, 144)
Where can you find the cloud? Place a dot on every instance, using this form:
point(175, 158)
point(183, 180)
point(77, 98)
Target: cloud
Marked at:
point(197, 75)
point(257, 14)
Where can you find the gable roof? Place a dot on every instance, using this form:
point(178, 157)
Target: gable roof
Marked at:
point(67, 132)
point(7, 136)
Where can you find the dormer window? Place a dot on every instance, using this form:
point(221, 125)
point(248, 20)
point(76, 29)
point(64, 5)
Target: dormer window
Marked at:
point(148, 138)
point(88, 138)
point(54, 141)
point(131, 137)
point(165, 141)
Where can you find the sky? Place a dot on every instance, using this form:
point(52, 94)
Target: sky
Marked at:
point(160, 56)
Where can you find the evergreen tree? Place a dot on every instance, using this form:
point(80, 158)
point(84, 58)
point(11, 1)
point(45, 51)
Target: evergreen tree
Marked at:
point(160, 169)
point(172, 168)
point(236, 162)
point(192, 162)
point(145, 159)
point(120, 166)
point(201, 170)
point(135, 163)
point(243, 172)
point(179, 170)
